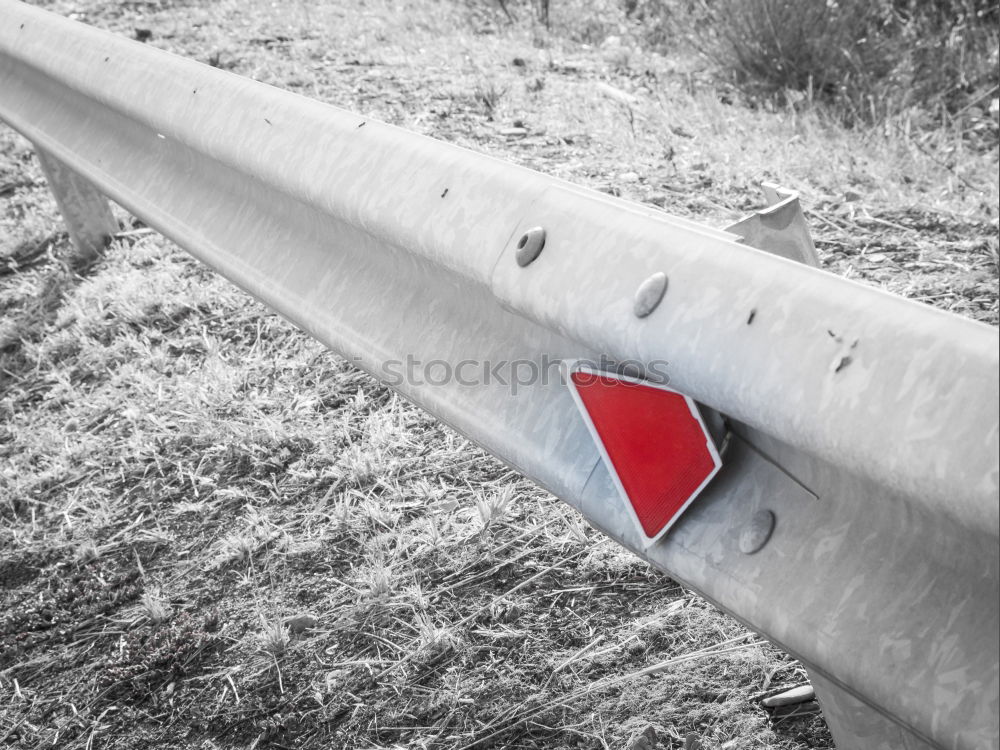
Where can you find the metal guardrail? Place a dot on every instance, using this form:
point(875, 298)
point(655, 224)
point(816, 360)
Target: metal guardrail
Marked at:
point(865, 425)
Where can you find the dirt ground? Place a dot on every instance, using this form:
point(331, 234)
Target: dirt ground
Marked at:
point(216, 534)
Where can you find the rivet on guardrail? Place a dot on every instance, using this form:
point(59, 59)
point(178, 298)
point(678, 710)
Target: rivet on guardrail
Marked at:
point(529, 246)
point(758, 530)
point(649, 294)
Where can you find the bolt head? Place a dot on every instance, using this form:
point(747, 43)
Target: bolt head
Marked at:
point(530, 246)
point(757, 531)
point(649, 294)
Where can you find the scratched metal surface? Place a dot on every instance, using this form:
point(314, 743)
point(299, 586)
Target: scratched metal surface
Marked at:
point(867, 424)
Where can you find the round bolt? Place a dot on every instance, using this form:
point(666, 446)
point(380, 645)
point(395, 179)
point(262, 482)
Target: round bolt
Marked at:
point(649, 294)
point(755, 534)
point(530, 245)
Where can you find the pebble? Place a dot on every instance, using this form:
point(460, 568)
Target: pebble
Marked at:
point(298, 624)
point(799, 694)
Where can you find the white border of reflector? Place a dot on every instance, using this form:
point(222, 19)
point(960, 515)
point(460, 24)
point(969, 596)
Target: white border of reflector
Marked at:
point(572, 366)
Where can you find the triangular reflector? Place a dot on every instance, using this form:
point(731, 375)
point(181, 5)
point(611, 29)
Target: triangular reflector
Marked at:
point(653, 442)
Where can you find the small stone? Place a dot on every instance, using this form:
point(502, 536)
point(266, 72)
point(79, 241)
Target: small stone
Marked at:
point(300, 623)
point(629, 177)
point(796, 695)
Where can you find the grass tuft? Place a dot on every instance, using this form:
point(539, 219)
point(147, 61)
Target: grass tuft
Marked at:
point(155, 608)
point(275, 638)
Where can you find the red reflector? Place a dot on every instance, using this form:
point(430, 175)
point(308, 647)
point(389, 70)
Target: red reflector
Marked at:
point(653, 442)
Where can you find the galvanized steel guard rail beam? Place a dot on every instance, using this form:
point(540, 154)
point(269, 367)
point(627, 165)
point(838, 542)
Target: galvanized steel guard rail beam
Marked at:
point(866, 424)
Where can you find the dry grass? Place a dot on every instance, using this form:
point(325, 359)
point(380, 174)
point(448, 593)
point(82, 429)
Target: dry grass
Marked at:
point(214, 533)
point(864, 61)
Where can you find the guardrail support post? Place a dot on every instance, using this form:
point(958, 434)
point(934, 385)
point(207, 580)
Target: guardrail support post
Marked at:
point(856, 725)
point(780, 228)
point(84, 208)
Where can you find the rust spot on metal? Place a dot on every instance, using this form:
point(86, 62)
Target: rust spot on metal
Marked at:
point(751, 316)
point(362, 124)
point(843, 358)
point(444, 193)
